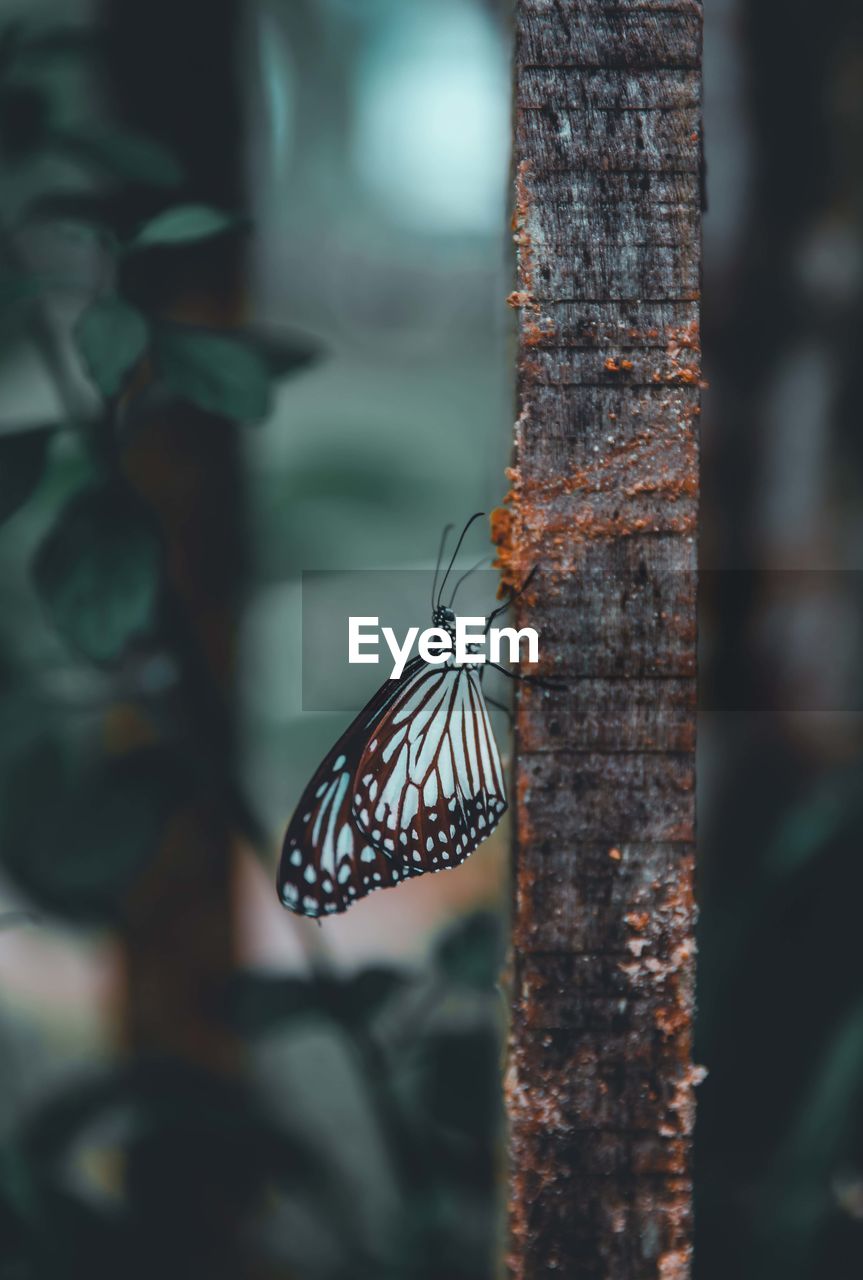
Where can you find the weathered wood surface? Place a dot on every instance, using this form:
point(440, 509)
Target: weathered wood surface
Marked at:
point(604, 500)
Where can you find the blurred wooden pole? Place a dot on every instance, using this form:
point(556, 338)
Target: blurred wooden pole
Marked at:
point(604, 499)
point(174, 76)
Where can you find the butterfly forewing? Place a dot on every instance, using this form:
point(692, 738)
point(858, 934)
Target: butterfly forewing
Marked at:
point(429, 785)
point(328, 861)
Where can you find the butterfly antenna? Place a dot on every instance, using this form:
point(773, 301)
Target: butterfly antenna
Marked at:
point(476, 516)
point(443, 539)
point(471, 570)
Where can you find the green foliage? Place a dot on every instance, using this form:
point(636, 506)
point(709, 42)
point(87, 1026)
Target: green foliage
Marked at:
point(460, 1067)
point(24, 46)
point(181, 1136)
point(183, 224)
point(97, 572)
point(259, 1003)
point(425, 1050)
point(122, 155)
point(218, 373)
point(472, 952)
point(284, 354)
point(111, 336)
point(76, 831)
point(814, 823)
point(95, 211)
point(24, 116)
point(22, 462)
point(21, 286)
point(13, 1212)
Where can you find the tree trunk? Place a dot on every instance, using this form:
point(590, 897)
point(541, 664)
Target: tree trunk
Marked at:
point(175, 79)
point(186, 463)
point(604, 501)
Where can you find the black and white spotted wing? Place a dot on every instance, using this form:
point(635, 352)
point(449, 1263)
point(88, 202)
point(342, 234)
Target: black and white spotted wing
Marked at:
point(429, 786)
point(328, 861)
point(414, 785)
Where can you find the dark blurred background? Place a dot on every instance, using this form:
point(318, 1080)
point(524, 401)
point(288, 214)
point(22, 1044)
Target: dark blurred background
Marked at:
point(253, 263)
point(780, 1133)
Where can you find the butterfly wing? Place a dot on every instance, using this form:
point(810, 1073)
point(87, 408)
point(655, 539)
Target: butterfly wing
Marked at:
point(429, 784)
point(328, 861)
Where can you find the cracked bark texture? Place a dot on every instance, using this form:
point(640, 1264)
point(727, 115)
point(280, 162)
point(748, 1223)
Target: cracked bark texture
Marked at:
point(604, 499)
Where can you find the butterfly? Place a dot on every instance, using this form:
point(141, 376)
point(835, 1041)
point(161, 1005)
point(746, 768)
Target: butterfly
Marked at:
point(413, 785)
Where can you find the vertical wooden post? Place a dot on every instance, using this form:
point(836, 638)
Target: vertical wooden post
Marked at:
point(604, 500)
point(174, 71)
point(186, 464)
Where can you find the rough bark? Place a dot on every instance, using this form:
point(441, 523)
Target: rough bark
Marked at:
point(604, 500)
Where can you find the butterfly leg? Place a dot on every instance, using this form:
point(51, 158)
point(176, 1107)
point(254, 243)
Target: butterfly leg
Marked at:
point(536, 680)
point(513, 595)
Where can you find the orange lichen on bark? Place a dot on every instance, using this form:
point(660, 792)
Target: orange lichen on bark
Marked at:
point(609, 497)
point(525, 1107)
point(502, 521)
point(534, 327)
point(675, 1264)
point(521, 234)
point(668, 975)
point(534, 332)
point(683, 349)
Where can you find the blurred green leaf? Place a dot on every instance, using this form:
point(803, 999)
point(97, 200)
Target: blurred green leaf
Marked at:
point(97, 211)
point(75, 835)
point(800, 1194)
point(111, 336)
point(219, 374)
point(22, 463)
point(820, 1139)
point(24, 114)
point(830, 813)
point(10, 39)
point(14, 1208)
point(366, 992)
point(462, 1080)
point(284, 353)
point(97, 573)
point(259, 1003)
point(130, 157)
point(54, 42)
point(190, 1113)
point(186, 222)
point(21, 286)
point(472, 952)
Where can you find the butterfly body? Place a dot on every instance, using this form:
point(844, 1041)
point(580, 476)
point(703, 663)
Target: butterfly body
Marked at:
point(414, 785)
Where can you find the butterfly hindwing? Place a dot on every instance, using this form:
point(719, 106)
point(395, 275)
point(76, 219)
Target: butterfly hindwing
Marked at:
point(429, 785)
